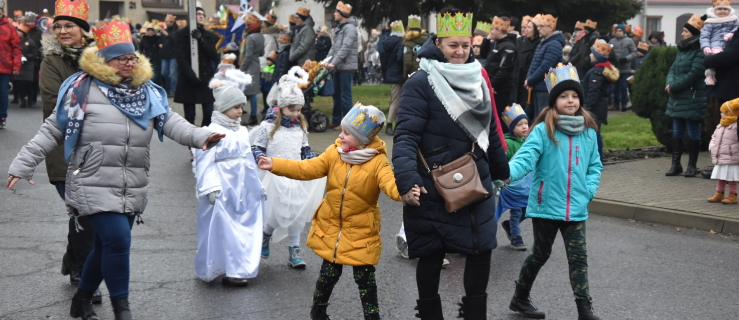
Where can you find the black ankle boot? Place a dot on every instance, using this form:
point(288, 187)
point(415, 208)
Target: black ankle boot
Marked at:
point(252, 121)
point(318, 312)
point(23, 103)
point(389, 130)
point(677, 153)
point(585, 310)
point(82, 306)
point(522, 304)
point(474, 307)
point(121, 309)
point(429, 309)
point(695, 148)
point(374, 316)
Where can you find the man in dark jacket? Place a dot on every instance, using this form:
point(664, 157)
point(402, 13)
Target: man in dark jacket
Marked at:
point(304, 41)
point(149, 45)
point(35, 35)
point(193, 88)
point(10, 62)
point(392, 59)
point(547, 55)
point(283, 64)
point(580, 55)
point(625, 51)
point(501, 64)
point(169, 61)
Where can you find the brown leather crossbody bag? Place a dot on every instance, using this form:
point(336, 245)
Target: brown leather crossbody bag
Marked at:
point(458, 182)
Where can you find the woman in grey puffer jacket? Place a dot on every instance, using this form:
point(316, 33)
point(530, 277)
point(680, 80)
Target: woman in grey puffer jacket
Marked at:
point(105, 117)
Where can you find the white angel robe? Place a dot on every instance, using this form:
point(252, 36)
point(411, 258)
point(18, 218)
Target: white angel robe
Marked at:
point(229, 232)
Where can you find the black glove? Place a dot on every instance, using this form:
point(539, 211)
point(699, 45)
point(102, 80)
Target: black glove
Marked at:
point(623, 60)
point(196, 34)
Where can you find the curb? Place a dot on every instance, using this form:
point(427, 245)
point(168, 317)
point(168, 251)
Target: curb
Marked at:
point(637, 212)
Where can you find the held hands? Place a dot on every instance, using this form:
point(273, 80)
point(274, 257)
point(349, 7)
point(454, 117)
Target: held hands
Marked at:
point(213, 139)
point(412, 197)
point(12, 180)
point(265, 163)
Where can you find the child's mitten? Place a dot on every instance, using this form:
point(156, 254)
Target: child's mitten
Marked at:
point(213, 196)
point(728, 36)
point(706, 50)
point(717, 50)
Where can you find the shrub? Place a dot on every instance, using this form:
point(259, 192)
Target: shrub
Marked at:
point(649, 98)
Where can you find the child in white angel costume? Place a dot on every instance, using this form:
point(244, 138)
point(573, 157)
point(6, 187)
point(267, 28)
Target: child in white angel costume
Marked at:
point(283, 133)
point(231, 197)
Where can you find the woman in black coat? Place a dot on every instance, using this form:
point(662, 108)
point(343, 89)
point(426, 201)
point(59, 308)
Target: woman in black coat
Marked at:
point(425, 124)
point(191, 88)
point(726, 64)
point(527, 44)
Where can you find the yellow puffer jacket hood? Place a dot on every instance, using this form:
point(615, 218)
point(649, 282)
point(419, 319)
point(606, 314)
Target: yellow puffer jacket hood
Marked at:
point(346, 225)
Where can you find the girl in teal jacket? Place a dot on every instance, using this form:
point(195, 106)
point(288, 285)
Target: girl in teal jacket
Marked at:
point(562, 150)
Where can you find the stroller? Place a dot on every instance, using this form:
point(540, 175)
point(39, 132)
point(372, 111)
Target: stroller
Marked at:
point(317, 121)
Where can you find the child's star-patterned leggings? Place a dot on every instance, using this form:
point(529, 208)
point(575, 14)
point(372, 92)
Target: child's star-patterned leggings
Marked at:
point(364, 276)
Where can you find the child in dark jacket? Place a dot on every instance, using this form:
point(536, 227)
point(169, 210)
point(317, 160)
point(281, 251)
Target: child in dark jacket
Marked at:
point(514, 197)
point(595, 86)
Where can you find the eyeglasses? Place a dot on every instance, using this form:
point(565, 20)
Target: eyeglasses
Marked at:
point(125, 60)
point(67, 27)
point(200, 14)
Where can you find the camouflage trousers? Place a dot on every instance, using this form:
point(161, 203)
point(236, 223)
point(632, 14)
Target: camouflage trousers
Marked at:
point(545, 232)
point(364, 277)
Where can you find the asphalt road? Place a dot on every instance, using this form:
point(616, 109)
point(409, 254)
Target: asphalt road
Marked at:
point(637, 270)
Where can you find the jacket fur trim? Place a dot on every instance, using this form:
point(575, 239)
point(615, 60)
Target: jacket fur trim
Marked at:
point(96, 67)
point(52, 47)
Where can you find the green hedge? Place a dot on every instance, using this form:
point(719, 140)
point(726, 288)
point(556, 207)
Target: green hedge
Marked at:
point(649, 98)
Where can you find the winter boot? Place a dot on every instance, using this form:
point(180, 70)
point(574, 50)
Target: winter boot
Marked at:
point(401, 246)
point(373, 316)
point(389, 130)
point(430, 309)
point(252, 120)
point(294, 261)
point(265, 244)
point(731, 199)
point(517, 243)
point(23, 103)
point(522, 304)
point(474, 308)
point(718, 197)
point(121, 309)
point(507, 228)
point(692, 170)
point(97, 297)
point(82, 306)
point(585, 310)
point(677, 153)
point(318, 312)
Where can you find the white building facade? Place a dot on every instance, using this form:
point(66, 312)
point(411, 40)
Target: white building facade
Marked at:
point(669, 16)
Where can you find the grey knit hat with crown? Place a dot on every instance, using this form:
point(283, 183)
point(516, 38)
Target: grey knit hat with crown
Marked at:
point(226, 96)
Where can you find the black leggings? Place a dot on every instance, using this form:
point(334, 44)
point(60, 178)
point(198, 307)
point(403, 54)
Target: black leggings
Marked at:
point(364, 276)
point(476, 274)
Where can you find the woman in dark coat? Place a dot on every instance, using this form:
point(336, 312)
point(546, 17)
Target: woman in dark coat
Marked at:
point(425, 124)
point(526, 45)
point(191, 88)
point(323, 44)
point(687, 105)
point(726, 64)
point(23, 81)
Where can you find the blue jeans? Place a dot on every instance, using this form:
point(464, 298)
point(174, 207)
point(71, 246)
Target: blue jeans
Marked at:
point(110, 256)
point(600, 143)
point(253, 101)
point(60, 188)
point(516, 217)
point(4, 83)
point(190, 113)
point(169, 72)
point(540, 100)
point(342, 95)
point(678, 128)
point(621, 90)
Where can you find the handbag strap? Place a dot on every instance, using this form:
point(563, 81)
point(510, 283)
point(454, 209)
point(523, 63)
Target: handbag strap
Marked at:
point(420, 155)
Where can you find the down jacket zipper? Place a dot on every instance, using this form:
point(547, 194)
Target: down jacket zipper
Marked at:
point(341, 208)
point(125, 162)
point(569, 181)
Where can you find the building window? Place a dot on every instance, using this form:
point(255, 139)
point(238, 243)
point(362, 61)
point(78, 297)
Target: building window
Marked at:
point(654, 23)
point(162, 3)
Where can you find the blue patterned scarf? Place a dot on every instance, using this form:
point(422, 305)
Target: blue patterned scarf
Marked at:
point(135, 102)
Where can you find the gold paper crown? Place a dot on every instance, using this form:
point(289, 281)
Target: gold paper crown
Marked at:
point(638, 31)
point(559, 74)
point(115, 32)
point(590, 23)
point(31, 15)
point(536, 19)
point(579, 25)
point(719, 3)
point(181, 23)
point(303, 11)
point(271, 19)
point(483, 28)
point(526, 19)
point(72, 8)
point(498, 23)
point(414, 22)
point(397, 26)
point(511, 113)
point(696, 22)
point(602, 48)
point(459, 25)
point(345, 8)
point(169, 18)
point(22, 27)
point(477, 40)
point(17, 12)
point(643, 46)
point(548, 20)
point(273, 56)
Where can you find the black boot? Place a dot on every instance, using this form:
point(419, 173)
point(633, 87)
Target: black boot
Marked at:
point(97, 297)
point(252, 121)
point(695, 148)
point(318, 312)
point(677, 153)
point(373, 316)
point(389, 130)
point(31, 102)
point(82, 306)
point(430, 309)
point(23, 103)
point(507, 228)
point(474, 308)
point(585, 310)
point(121, 309)
point(522, 304)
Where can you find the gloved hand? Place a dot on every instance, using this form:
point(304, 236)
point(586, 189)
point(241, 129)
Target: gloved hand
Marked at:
point(196, 34)
point(623, 60)
point(213, 196)
point(706, 50)
point(23, 59)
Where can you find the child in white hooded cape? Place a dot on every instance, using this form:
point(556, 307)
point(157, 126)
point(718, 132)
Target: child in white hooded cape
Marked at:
point(283, 134)
point(231, 198)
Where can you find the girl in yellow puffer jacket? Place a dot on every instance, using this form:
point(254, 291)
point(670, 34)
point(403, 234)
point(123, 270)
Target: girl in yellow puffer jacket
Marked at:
point(346, 225)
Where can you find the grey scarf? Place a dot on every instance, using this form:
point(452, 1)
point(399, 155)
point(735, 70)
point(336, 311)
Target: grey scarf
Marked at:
point(225, 121)
point(686, 43)
point(571, 125)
